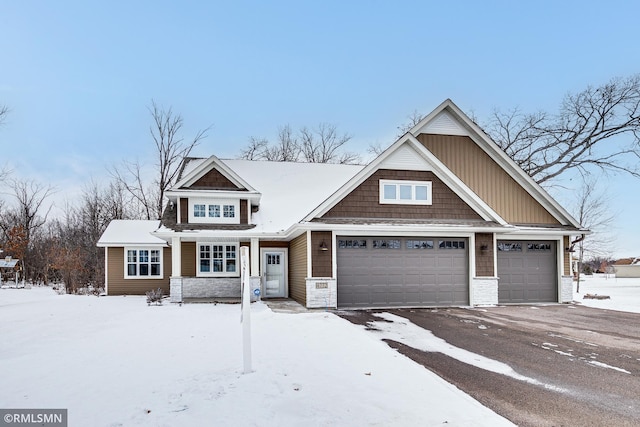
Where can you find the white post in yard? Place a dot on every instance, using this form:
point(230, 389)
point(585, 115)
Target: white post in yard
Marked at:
point(245, 317)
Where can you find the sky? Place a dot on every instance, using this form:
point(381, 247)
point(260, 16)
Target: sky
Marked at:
point(78, 77)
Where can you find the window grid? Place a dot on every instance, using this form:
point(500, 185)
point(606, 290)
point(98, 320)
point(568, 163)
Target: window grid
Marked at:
point(143, 263)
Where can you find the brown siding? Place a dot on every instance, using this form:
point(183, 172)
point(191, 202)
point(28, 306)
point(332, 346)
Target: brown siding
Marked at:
point(184, 210)
point(566, 257)
point(364, 201)
point(321, 260)
point(487, 179)
point(118, 285)
point(298, 269)
point(484, 258)
point(188, 259)
point(273, 244)
point(214, 180)
point(244, 211)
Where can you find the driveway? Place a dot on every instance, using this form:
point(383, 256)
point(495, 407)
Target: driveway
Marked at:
point(581, 366)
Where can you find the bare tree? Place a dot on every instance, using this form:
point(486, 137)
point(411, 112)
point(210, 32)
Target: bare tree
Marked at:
point(592, 212)
point(323, 144)
point(4, 110)
point(596, 128)
point(170, 149)
point(412, 120)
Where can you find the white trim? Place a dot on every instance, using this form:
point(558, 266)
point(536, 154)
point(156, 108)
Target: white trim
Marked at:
point(334, 255)
point(309, 260)
point(224, 259)
point(208, 203)
point(176, 257)
point(206, 166)
point(106, 271)
point(138, 249)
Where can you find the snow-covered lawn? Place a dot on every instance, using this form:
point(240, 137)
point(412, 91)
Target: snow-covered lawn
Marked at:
point(624, 293)
point(114, 361)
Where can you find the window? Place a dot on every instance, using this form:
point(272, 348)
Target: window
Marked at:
point(143, 264)
point(217, 259)
point(214, 211)
point(419, 244)
point(386, 244)
point(451, 244)
point(510, 247)
point(229, 211)
point(352, 244)
point(405, 192)
point(198, 211)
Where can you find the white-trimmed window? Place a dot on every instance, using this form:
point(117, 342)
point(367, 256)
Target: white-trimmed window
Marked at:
point(405, 192)
point(218, 259)
point(214, 211)
point(143, 263)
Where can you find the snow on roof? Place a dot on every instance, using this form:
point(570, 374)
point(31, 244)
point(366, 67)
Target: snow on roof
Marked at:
point(190, 164)
point(290, 190)
point(131, 232)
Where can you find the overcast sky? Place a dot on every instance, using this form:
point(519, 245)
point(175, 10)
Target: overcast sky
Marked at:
point(78, 76)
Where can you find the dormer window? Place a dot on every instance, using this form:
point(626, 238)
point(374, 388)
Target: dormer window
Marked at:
point(214, 211)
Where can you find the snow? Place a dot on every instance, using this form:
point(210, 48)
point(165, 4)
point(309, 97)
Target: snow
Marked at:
point(114, 361)
point(121, 232)
point(624, 292)
point(290, 190)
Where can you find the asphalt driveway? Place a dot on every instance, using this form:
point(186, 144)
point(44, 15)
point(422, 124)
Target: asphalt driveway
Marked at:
point(585, 361)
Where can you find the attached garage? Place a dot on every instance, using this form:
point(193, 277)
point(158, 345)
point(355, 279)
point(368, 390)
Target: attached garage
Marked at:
point(527, 271)
point(410, 272)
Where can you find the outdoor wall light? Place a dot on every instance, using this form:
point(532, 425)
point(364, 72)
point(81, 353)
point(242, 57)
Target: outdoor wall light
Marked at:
point(323, 246)
point(484, 247)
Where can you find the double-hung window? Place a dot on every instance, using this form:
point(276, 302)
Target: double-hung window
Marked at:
point(143, 263)
point(217, 259)
point(405, 192)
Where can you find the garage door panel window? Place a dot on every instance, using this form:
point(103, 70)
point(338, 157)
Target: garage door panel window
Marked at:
point(451, 244)
point(352, 244)
point(539, 247)
point(510, 247)
point(419, 244)
point(386, 244)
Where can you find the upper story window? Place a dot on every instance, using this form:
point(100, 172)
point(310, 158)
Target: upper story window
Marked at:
point(214, 211)
point(405, 192)
point(143, 263)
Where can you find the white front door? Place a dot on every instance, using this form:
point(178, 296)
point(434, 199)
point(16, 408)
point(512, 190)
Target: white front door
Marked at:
point(274, 272)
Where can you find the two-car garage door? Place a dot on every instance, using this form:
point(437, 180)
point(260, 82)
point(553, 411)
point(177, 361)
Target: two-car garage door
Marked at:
point(420, 271)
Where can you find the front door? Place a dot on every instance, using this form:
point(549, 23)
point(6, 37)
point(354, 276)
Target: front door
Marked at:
point(274, 273)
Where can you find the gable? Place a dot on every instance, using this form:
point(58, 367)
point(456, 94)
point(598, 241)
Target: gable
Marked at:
point(214, 180)
point(363, 201)
point(487, 179)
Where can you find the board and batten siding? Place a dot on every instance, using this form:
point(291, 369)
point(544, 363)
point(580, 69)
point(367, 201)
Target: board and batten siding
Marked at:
point(118, 285)
point(484, 257)
point(487, 179)
point(321, 261)
point(298, 269)
point(188, 261)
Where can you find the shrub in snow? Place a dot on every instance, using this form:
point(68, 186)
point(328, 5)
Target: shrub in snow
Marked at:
point(154, 297)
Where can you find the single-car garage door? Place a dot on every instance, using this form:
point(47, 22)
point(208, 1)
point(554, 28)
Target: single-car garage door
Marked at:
point(410, 272)
point(527, 271)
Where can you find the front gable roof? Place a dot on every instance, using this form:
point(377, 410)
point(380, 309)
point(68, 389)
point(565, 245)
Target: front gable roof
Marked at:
point(193, 175)
point(407, 153)
point(448, 119)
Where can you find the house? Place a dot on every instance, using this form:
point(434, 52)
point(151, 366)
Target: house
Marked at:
point(627, 267)
point(443, 217)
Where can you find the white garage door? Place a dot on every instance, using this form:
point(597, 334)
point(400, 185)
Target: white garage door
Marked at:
point(527, 271)
point(409, 272)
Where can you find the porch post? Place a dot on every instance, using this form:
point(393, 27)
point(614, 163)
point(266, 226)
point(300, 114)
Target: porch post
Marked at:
point(255, 257)
point(176, 257)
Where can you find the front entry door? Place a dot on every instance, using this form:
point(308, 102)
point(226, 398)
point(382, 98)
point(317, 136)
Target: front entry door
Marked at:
point(275, 273)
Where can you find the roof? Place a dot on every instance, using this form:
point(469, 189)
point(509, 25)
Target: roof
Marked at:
point(124, 232)
point(8, 263)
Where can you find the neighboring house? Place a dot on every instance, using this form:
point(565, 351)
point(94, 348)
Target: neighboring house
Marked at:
point(627, 267)
point(443, 217)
